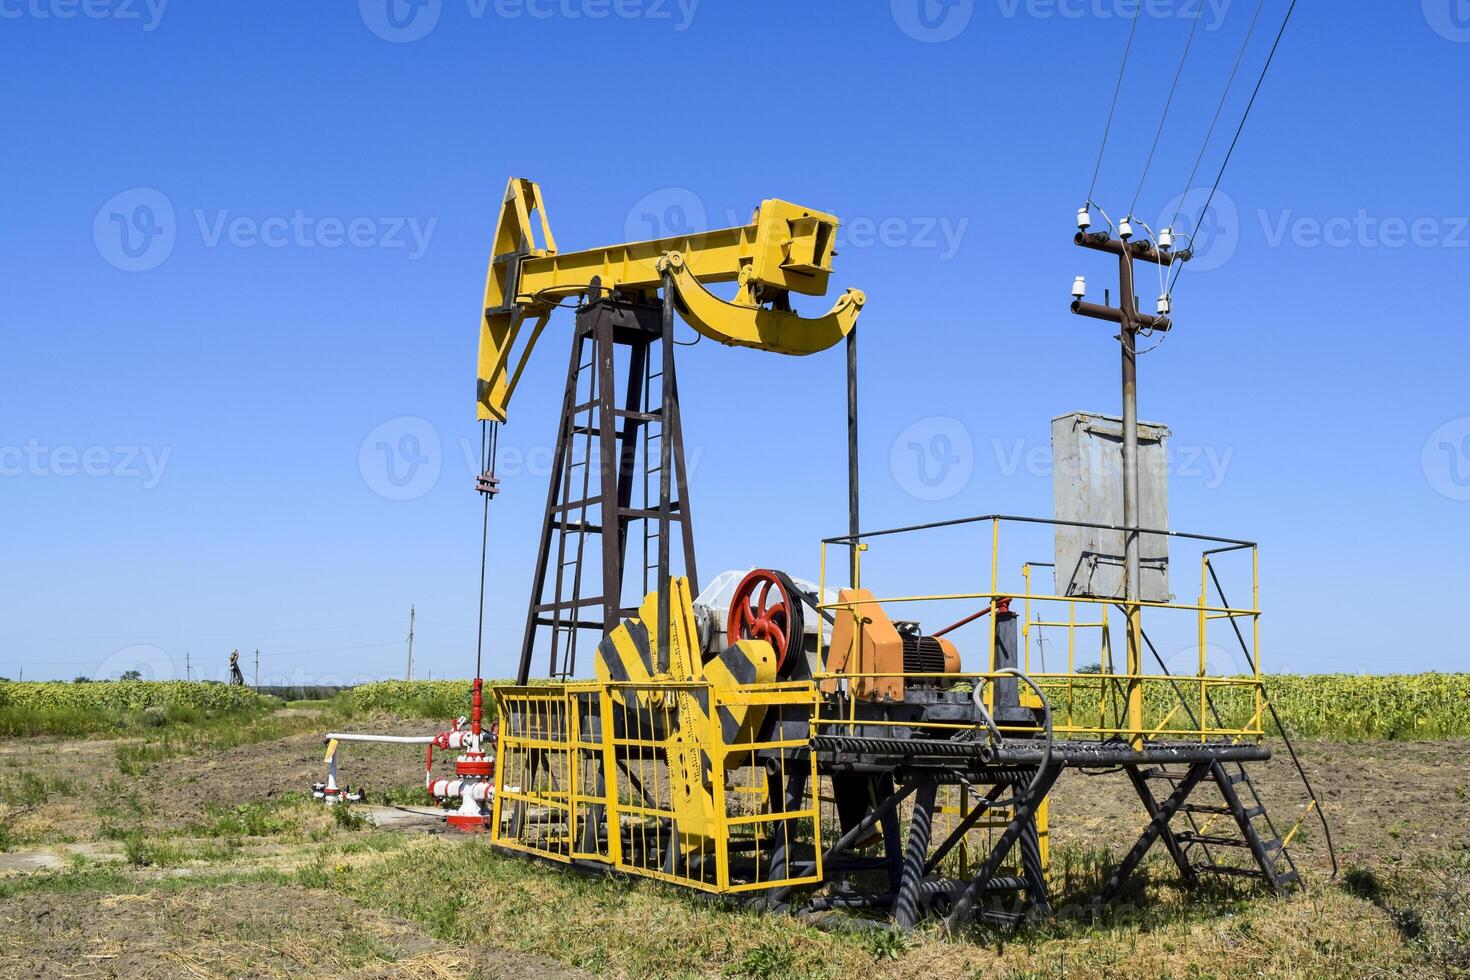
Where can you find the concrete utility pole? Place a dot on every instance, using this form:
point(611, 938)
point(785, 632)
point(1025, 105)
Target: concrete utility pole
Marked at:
point(188, 667)
point(1131, 321)
point(257, 668)
point(409, 675)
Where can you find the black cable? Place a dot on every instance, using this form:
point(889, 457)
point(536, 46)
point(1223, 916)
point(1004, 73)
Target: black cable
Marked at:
point(1113, 108)
point(1280, 727)
point(1158, 133)
point(1241, 128)
point(1229, 83)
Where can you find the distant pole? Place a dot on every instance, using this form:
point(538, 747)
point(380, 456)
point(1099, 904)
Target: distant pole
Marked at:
point(257, 668)
point(22, 673)
point(410, 643)
point(188, 667)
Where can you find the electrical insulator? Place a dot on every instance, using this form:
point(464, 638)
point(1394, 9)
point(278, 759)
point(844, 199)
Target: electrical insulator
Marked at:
point(1125, 228)
point(1084, 219)
point(1079, 287)
point(1164, 305)
point(1166, 239)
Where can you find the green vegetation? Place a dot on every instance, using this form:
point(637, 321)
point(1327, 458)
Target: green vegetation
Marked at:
point(213, 732)
point(415, 699)
point(280, 816)
point(1348, 707)
point(1351, 707)
point(1333, 706)
point(58, 708)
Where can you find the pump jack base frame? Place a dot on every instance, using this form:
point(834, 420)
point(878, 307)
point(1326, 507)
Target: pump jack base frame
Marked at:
point(1021, 770)
point(916, 768)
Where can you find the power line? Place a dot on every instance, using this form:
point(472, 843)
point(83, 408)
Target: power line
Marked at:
point(1219, 109)
point(1243, 117)
point(1113, 108)
point(1158, 133)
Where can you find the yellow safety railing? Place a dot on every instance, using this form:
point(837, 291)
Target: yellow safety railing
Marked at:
point(684, 782)
point(1116, 697)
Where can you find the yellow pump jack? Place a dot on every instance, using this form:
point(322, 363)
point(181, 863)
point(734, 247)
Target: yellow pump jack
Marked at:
point(785, 249)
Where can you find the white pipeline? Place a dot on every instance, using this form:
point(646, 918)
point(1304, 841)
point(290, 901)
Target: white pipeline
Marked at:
point(388, 739)
point(458, 738)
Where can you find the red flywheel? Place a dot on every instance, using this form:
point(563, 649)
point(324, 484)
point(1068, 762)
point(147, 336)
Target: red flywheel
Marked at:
point(764, 607)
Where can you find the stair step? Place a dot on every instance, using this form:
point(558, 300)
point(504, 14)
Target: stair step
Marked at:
point(1217, 810)
point(1283, 878)
point(1225, 869)
point(1165, 774)
point(1208, 840)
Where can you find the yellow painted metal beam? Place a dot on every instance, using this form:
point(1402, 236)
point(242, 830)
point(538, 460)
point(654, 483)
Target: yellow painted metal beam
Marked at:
point(786, 248)
point(763, 329)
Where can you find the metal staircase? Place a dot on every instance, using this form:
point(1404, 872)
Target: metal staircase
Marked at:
point(1235, 837)
point(596, 463)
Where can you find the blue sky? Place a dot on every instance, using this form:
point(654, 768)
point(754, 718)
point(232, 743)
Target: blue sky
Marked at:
point(193, 399)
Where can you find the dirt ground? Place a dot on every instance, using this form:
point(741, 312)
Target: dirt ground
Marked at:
point(1384, 801)
point(1389, 803)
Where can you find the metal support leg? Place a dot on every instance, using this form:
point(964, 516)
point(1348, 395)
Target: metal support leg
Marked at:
point(982, 807)
point(892, 847)
point(1156, 826)
point(858, 832)
point(1027, 800)
point(921, 823)
point(1033, 870)
point(1140, 786)
point(790, 799)
point(543, 548)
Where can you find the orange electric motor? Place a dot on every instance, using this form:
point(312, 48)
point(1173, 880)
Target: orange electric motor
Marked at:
point(884, 657)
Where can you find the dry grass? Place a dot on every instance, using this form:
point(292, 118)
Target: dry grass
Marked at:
point(274, 886)
point(618, 927)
